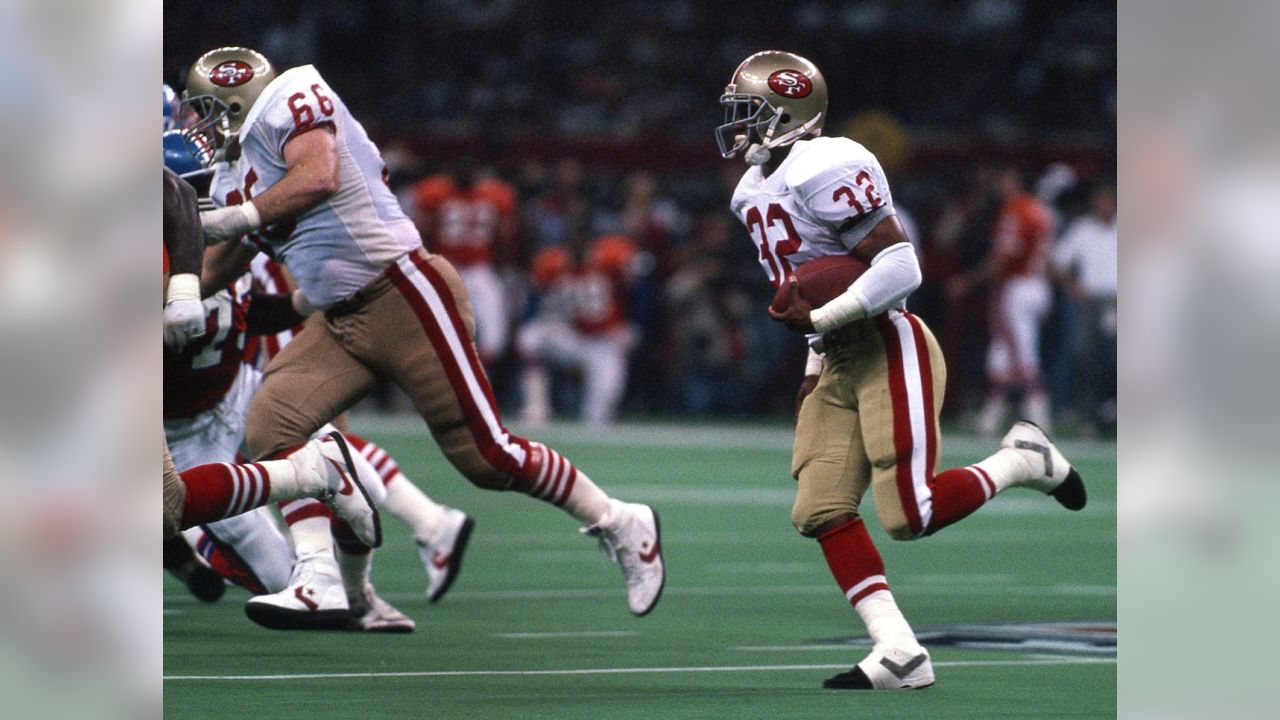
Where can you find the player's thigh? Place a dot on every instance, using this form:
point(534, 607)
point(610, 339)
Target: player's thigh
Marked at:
point(311, 381)
point(419, 336)
point(175, 496)
point(828, 460)
point(900, 395)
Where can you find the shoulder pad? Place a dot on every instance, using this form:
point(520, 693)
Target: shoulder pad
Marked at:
point(823, 158)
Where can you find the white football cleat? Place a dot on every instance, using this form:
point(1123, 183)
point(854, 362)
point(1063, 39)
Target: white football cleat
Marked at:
point(314, 599)
point(443, 558)
point(887, 669)
point(370, 613)
point(343, 490)
point(1050, 473)
point(632, 537)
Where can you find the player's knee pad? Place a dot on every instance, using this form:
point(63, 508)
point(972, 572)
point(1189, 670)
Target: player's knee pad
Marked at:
point(808, 519)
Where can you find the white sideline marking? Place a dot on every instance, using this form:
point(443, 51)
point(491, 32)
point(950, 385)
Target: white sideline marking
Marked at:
point(624, 671)
point(578, 634)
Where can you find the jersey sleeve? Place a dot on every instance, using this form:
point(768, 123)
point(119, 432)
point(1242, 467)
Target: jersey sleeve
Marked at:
point(847, 191)
point(300, 101)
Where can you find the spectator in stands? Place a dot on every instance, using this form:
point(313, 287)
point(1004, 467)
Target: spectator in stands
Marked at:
point(1085, 263)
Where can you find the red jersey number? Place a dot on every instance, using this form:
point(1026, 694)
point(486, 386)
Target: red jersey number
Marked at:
point(774, 253)
point(303, 115)
point(867, 186)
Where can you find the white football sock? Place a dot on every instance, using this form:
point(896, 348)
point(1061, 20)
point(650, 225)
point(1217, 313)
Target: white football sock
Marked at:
point(311, 537)
point(411, 506)
point(587, 502)
point(885, 622)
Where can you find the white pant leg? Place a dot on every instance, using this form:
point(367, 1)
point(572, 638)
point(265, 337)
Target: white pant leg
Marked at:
point(604, 362)
point(489, 302)
point(1018, 312)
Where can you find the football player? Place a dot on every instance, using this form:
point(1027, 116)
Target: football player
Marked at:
point(320, 468)
point(207, 391)
point(471, 221)
point(873, 386)
point(586, 330)
point(305, 184)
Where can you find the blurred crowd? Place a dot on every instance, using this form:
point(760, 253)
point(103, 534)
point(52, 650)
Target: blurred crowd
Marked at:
point(667, 285)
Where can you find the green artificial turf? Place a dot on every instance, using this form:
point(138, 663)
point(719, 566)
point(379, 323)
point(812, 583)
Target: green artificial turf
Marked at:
point(747, 628)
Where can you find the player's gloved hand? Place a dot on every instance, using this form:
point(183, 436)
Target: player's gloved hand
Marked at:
point(229, 223)
point(806, 386)
point(183, 311)
point(797, 313)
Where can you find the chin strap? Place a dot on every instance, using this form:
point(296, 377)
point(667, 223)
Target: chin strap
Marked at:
point(758, 153)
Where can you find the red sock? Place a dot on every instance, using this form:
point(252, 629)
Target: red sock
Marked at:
point(219, 490)
point(548, 475)
point(854, 561)
point(225, 561)
point(956, 494)
point(301, 509)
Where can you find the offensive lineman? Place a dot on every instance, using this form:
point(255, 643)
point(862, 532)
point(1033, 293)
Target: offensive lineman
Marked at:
point(873, 386)
point(305, 184)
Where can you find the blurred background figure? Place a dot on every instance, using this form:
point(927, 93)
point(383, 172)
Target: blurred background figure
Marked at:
point(1085, 263)
point(1016, 272)
point(469, 217)
point(581, 325)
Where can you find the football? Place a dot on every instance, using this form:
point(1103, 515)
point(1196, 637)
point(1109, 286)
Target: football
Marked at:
point(821, 280)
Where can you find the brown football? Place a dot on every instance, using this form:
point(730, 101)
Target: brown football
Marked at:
point(821, 279)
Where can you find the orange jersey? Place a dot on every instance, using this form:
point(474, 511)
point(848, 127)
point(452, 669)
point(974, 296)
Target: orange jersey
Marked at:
point(1024, 234)
point(465, 225)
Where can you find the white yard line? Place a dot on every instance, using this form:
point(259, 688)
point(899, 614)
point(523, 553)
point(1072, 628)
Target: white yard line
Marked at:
point(556, 635)
point(623, 671)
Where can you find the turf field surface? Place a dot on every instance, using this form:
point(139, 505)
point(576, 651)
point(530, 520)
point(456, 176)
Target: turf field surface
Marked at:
point(749, 625)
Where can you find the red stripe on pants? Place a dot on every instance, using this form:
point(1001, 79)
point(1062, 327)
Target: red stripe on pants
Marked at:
point(903, 443)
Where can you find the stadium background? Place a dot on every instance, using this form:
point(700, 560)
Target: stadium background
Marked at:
point(1017, 605)
point(607, 109)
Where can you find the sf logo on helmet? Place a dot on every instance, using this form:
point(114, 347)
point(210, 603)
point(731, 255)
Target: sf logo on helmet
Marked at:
point(790, 83)
point(231, 73)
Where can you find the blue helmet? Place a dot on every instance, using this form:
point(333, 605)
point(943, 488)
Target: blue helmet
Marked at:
point(170, 108)
point(187, 155)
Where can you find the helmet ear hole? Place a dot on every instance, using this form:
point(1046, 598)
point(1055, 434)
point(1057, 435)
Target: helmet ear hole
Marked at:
point(786, 118)
point(235, 107)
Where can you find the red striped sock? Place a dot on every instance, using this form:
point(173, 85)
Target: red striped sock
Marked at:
point(308, 522)
point(220, 490)
point(957, 493)
point(379, 458)
point(854, 561)
point(549, 475)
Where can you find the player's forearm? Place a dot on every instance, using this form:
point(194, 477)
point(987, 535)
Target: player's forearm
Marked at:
point(893, 275)
point(222, 265)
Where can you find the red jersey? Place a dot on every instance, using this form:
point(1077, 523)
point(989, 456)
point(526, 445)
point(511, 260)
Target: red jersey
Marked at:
point(465, 225)
point(1024, 234)
point(196, 379)
point(600, 284)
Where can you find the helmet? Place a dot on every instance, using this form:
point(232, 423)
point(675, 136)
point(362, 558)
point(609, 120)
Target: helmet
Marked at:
point(223, 84)
point(185, 154)
point(170, 108)
point(773, 99)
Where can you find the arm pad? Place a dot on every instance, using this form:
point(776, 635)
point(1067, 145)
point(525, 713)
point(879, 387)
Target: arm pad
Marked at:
point(892, 276)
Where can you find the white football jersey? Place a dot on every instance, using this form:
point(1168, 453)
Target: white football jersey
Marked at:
point(825, 197)
point(339, 246)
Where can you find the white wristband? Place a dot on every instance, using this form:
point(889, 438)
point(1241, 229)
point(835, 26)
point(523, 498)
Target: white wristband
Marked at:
point(842, 310)
point(184, 286)
point(251, 215)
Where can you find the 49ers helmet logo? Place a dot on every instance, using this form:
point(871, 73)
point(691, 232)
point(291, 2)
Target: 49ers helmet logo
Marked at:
point(232, 73)
point(790, 83)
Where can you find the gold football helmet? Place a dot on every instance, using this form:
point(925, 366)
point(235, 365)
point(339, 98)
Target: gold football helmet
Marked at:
point(221, 87)
point(773, 99)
